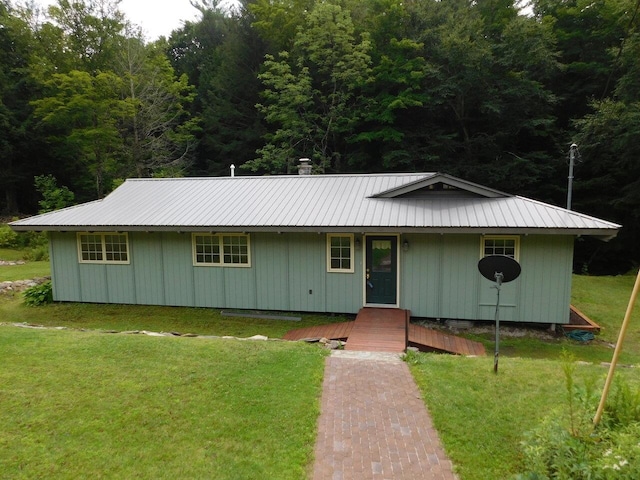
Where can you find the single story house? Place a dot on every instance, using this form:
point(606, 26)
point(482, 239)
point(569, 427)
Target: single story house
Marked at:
point(317, 243)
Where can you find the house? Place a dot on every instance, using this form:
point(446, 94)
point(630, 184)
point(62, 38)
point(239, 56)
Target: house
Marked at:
point(316, 243)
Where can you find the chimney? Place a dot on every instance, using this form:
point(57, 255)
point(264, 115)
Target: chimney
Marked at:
point(305, 167)
point(233, 170)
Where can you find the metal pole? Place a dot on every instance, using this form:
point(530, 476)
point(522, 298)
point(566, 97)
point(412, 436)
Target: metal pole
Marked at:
point(499, 277)
point(616, 352)
point(572, 160)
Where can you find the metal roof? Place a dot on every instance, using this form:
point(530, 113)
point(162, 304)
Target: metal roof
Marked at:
point(318, 203)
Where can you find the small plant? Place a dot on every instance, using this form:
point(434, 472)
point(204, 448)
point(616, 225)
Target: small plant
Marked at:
point(39, 295)
point(573, 449)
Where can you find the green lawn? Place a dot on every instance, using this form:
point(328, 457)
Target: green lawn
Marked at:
point(90, 405)
point(481, 417)
point(145, 397)
point(21, 272)
point(203, 321)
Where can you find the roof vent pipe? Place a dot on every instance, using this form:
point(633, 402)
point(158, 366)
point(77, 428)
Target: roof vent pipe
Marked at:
point(305, 167)
point(233, 170)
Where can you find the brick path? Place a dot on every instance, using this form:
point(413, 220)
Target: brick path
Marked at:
point(373, 423)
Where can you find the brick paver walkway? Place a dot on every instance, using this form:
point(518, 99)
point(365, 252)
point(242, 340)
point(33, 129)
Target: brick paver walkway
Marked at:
point(373, 423)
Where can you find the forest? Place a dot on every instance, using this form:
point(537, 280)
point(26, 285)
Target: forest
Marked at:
point(492, 91)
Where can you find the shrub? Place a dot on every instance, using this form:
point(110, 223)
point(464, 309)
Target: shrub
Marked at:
point(8, 238)
point(39, 294)
point(568, 446)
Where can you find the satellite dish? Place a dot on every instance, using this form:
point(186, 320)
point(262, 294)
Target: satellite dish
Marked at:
point(500, 269)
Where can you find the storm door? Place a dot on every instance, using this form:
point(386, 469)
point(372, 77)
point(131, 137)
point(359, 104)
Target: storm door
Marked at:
point(381, 270)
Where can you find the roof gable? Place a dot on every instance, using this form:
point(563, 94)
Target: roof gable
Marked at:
point(440, 185)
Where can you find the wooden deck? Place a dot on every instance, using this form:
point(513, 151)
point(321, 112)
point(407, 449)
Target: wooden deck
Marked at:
point(429, 340)
point(579, 321)
point(379, 330)
point(387, 330)
point(333, 331)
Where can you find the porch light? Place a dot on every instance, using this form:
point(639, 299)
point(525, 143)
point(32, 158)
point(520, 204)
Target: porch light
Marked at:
point(357, 242)
point(405, 245)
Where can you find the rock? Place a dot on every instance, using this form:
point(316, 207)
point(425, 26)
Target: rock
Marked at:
point(413, 349)
point(324, 340)
point(258, 337)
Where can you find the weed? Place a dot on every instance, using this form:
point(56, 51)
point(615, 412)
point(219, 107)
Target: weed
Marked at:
point(39, 295)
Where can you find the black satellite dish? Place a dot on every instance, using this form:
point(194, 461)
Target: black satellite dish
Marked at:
point(500, 269)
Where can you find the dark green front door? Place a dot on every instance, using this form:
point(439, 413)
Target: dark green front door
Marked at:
point(382, 270)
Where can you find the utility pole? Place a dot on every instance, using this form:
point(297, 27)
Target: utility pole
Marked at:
point(572, 160)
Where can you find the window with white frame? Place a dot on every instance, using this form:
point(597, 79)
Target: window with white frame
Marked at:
point(228, 250)
point(508, 245)
point(340, 256)
point(103, 248)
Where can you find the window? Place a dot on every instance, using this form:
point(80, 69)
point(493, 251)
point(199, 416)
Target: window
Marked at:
point(230, 250)
point(501, 245)
point(103, 248)
point(340, 253)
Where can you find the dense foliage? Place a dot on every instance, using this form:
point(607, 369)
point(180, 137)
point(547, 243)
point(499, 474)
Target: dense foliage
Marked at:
point(486, 90)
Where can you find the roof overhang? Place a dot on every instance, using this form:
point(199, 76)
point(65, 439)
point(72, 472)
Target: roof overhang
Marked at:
point(602, 234)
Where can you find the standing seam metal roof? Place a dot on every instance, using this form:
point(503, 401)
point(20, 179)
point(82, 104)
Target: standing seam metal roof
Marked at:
point(311, 203)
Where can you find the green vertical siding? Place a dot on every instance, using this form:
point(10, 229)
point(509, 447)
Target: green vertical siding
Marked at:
point(209, 287)
point(64, 267)
point(421, 274)
point(271, 264)
point(546, 278)
point(121, 286)
point(146, 260)
point(438, 277)
point(93, 283)
point(177, 261)
point(307, 270)
point(460, 255)
point(345, 291)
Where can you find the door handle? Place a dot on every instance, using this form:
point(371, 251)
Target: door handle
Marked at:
point(367, 276)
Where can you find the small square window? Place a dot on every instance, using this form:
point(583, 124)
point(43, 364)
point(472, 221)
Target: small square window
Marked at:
point(501, 245)
point(340, 253)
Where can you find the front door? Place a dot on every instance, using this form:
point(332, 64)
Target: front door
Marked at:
point(381, 270)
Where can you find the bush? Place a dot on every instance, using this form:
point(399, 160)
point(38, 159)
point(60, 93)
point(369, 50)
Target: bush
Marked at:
point(39, 295)
point(8, 238)
point(568, 446)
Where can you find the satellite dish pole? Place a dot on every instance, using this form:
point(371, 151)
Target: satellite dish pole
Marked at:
point(573, 152)
point(500, 269)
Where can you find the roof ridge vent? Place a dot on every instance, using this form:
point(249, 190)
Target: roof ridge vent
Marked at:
point(305, 166)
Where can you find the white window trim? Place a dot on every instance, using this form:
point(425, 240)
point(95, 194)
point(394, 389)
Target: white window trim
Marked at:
point(221, 263)
point(104, 260)
point(351, 248)
point(483, 238)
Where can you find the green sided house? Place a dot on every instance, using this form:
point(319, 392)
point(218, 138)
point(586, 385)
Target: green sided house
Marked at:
point(317, 243)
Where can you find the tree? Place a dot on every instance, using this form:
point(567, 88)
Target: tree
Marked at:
point(84, 113)
point(53, 196)
point(313, 94)
point(159, 136)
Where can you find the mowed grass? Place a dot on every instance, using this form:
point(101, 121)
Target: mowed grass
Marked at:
point(91, 405)
point(21, 272)
point(202, 321)
point(482, 417)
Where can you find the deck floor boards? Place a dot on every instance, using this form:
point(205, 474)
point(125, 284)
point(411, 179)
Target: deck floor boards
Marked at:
point(387, 330)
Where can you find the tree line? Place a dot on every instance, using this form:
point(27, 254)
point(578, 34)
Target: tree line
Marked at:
point(483, 89)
